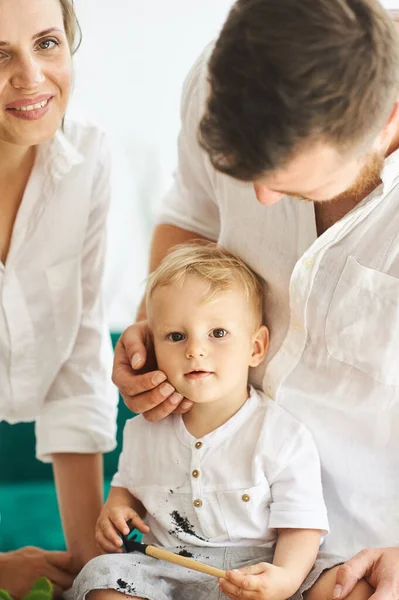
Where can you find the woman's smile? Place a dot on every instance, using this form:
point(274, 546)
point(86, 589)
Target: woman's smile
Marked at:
point(30, 109)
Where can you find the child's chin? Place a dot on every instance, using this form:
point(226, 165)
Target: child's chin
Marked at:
point(200, 398)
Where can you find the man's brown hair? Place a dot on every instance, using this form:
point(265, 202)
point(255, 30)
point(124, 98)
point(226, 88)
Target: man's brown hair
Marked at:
point(285, 73)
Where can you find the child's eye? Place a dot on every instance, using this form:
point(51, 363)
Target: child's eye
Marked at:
point(218, 333)
point(176, 336)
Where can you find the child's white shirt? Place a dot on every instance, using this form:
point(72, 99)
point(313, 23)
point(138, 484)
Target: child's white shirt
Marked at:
point(258, 472)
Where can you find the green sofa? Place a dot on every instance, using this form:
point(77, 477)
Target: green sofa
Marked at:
point(28, 504)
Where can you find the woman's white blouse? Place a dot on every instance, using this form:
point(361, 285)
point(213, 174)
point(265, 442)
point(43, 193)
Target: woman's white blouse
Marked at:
point(55, 349)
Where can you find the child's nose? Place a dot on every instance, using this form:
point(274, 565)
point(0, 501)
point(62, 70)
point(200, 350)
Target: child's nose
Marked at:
point(194, 350)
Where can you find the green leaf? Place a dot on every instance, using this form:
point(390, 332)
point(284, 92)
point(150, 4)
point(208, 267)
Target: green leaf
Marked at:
point(37, 595)
point(42, 589)
point(4, 595)
point(42, 584)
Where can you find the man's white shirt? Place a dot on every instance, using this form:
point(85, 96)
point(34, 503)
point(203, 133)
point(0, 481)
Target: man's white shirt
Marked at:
point(55, 349)
point(332, 305)
point(258, 472)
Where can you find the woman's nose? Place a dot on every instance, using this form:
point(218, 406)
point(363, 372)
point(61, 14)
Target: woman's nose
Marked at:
point(28, 74)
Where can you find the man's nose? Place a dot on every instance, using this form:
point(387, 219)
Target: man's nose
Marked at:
point(265, 196)
point(28, 74)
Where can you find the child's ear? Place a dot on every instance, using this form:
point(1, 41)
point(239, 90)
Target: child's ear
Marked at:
point(259, 346)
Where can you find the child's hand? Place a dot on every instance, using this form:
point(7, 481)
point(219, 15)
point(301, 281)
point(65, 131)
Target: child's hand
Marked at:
point(112, 520)
point(258, 582)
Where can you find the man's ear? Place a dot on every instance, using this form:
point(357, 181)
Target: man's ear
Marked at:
point(259, 346)
point(388, 138)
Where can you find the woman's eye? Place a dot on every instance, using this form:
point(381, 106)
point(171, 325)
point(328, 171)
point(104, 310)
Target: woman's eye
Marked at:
point(48, 44)
point(175, 336)
point(219, 333)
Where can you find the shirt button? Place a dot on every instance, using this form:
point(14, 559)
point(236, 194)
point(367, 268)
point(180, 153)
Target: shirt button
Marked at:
point(195, 473)
point(199, 445)
point(197, 503)
point(308, 263)
point(246, 498)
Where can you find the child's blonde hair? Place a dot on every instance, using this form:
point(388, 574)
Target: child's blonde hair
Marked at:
point(221, 269)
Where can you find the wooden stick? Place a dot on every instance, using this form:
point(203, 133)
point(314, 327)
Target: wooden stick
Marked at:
point(183, 561)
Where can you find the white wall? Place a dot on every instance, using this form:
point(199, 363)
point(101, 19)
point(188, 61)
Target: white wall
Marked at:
point(128, 77)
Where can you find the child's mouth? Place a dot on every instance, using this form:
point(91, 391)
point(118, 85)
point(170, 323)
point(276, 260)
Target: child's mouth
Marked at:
point(197, 374)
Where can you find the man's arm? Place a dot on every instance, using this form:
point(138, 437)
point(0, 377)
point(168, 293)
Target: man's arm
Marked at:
point(378, 566)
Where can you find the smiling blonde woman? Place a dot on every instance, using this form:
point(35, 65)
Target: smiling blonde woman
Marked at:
point(55, 353)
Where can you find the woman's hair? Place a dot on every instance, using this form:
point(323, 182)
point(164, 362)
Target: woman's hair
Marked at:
point(72, 28)
point(213, 264)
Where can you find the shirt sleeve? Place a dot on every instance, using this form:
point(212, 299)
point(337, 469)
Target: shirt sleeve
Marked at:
point(191, 203)
point(296, 488)
point(79, 412)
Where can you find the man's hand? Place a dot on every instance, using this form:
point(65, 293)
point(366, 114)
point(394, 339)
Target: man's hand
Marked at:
point(378, 566)
point(19, 569)
point(143, 388)
point(258, 582)
point(113, 519)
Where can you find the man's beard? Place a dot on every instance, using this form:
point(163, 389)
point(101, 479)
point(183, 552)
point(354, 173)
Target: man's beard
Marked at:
point(367, 180)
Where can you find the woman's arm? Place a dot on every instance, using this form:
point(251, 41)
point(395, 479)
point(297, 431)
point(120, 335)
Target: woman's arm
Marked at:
point(79, 483)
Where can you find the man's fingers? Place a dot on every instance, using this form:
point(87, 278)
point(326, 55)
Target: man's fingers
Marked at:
point(143, 387)
point(183, 407)
point(352, 571)
point(386, 590)
point(131, 383)
point(164, 408)
point(132, 343)
point(144, 391)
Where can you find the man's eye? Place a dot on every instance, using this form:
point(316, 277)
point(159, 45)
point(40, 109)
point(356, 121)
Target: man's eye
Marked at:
point(48, 44)
point(175, 336)
point(219, 333)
